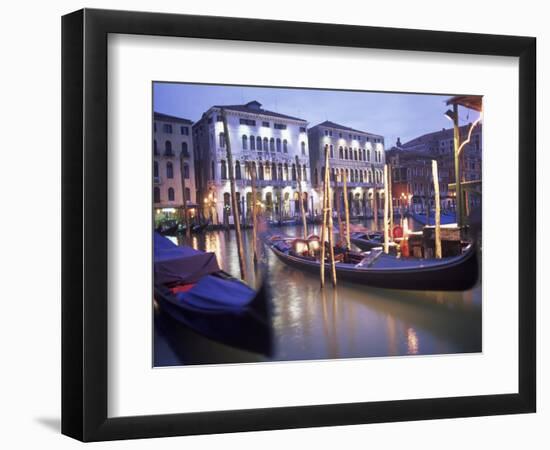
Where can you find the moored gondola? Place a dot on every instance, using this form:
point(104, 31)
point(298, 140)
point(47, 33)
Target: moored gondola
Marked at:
point(376, 269)
point(191, 288)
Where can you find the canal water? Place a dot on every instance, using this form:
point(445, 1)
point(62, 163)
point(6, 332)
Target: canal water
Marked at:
point(347, 322)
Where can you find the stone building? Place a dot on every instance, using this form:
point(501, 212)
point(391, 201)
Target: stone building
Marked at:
point(264, 141)
point(172, 144)
point(358, 154)
point(412, 172)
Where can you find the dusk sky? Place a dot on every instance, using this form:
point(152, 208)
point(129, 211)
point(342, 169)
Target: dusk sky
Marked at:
point(391, 115)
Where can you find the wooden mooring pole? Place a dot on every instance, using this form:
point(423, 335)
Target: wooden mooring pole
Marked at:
point(386, 211)
point(346, 210)
point(330, 223)
point(252, 172)
point(437, 211)
point(324, 222)
point(302, 209)
point(234, 203)
point(185, 212)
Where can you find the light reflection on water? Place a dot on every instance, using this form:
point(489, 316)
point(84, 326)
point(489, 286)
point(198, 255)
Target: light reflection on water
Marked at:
point(352, 320)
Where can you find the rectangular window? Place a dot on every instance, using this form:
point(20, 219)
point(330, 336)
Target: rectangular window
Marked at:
point(209, 120)
point(330, 133)
point(184, 130)
point(219, 118)
point(302, 129)
point(279, 126)
point(247, 122)
point(167, 128)
point(326, 132)
point(265, 124)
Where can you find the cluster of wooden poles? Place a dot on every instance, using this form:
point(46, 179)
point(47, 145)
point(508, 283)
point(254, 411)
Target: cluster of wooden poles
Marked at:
point(234, 203)
point(327, 233)
point(327, 223)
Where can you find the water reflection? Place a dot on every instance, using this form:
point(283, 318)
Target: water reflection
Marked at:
point(352, 320)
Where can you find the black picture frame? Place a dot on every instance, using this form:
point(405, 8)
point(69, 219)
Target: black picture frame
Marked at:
point(84, 224)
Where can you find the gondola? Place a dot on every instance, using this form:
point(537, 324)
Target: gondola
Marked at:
point(169, 228)
point(192, 289)
point(376, 269)
point(367, 240)
point(284, 223)
point(199, 227)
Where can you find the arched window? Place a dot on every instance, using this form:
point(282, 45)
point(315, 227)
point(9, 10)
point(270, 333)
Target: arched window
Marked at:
point(361, 176)
point(363, 154)
point(322, 174)
point(315, 176)
point(168, 148)
point(356, 178)
point(266, 145)
point(186, 171)
point(169, 170)
point(223, 170)
point(184, 149)
point(237, 170)
point(170, 194)
point(278, 144)
point(252, 143)
point(187, 194)
point(332, 175)
point(156, 169)
point(346, 153)
point(261, 172)
point(341, 151)
point(155, 151)
point(285, 146)
point(222, 140)
point(212, 171)
point(273, 171)
point(259, 143)
point(303, 148)
point(331, 151)
point(293, 172)
point(272, 144)
point(156, 195)
point(286, 171)
point(245, 142)
point(355, 154)
point(304, 172)
point(280, 171)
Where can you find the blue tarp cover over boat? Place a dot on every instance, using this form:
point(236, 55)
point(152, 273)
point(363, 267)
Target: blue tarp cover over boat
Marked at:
point(210, 302)
point(176, 264)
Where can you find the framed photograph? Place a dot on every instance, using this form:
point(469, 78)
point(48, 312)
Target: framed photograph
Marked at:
point(273, 224)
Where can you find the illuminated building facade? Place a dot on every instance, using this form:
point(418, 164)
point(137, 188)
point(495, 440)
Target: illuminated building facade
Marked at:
point(264, 141)
point(358, 154)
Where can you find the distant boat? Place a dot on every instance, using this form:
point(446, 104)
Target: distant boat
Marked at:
point(377, 269)
point(367, 240)
point(190, 287)
point(284, 222)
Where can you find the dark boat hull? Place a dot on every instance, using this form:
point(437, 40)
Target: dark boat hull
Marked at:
point(247, 328)
point(458, 274)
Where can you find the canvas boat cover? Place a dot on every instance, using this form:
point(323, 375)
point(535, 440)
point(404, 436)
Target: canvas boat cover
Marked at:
point(174, 264)
point(216, 294)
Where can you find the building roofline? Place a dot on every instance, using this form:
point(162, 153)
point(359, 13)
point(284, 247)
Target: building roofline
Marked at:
point(169, 118)
point(337, 126)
